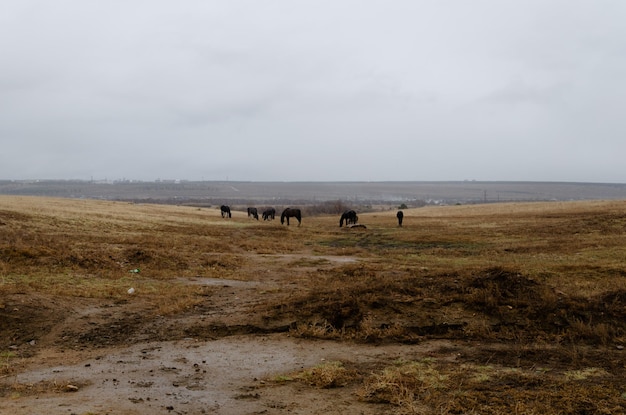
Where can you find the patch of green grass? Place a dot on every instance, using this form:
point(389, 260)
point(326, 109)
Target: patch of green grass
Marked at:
point(6, 358)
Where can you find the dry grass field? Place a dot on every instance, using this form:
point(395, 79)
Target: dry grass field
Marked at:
point(482, 309)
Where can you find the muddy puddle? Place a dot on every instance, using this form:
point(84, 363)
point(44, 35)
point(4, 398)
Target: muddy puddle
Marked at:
point(227, 376)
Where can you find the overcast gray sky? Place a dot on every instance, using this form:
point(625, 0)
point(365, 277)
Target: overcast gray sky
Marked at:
point(313, 90)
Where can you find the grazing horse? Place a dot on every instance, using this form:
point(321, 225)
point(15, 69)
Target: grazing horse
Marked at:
point(225, 211)
point(269, 214)
point(291, 213)
point(253, 212)
point(350, 217)
point(400, 216)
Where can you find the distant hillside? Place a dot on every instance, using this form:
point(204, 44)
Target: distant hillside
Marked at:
point(411, 193)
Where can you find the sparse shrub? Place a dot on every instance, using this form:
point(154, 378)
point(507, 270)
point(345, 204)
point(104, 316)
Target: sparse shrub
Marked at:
point(316, 330)
point(599, 333)
point(404, 383)
point(325, 375)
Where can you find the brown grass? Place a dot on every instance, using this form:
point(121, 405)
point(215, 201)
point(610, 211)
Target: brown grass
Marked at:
point(325, 375)
point(539, 286)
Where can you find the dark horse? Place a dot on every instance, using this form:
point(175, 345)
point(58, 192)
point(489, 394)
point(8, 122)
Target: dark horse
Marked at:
point(291, 213)
point(268, 214)
point(225, 211)
point(350, 217)
point(400, 216)
point(253, 212)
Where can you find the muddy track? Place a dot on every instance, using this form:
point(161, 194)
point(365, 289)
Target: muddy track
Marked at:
point(110, 358)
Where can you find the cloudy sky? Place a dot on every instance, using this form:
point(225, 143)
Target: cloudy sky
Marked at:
point(313, 90)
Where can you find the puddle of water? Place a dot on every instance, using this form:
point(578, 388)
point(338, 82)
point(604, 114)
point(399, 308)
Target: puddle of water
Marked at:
point(341, 259)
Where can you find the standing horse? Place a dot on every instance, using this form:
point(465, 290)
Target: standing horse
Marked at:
point(269, 214)
point(225, 211)
point(291, 213)
point(400, 216)
point(253, 212)
point(350, 217)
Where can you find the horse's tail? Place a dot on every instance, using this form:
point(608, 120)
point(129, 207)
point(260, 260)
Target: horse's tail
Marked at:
point(341, 221)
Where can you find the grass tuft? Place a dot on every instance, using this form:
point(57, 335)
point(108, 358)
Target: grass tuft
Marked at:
point(325, 375)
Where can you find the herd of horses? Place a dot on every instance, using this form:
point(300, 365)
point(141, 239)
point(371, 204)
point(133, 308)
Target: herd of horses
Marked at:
point(349, 217)
point(268, 214)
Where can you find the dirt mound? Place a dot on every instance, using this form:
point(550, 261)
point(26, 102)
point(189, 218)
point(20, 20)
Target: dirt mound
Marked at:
point(495, 288)
point(505, 284)
point(26, 318)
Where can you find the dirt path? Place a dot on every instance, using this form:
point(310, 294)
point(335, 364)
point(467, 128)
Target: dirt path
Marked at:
point(233, 375)
point(85, 356)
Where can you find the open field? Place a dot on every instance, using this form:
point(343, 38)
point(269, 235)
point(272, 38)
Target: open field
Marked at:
point(207, 193)
point(121, 308)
